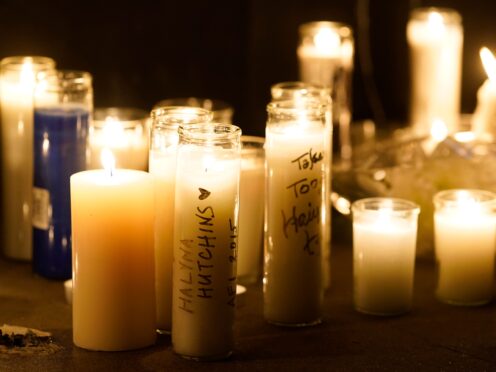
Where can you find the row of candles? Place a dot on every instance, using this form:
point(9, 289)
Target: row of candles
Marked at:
point(160, 250)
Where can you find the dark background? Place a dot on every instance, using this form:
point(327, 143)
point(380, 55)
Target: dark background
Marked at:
point(143, 51)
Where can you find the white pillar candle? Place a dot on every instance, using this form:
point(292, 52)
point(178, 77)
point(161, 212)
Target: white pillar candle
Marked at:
point(251, 209)
point(113, 262)
point(435, 38)
point(384, 239)
point(296, 163)
point(125, 132)
point(465, 241)
point(484, 118)
point(205, 241)
point(17, 84)
point(163, 147)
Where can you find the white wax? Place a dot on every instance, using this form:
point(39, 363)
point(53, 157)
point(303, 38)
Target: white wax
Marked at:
point(205, 245)
point(435, 61)
point(128, 145)
point(383, 265)
point(294, 228)
point(16, 106)
point(484, 119)
point(251, 206)
point(163, 168)
point(113, 263)
point(465, 248)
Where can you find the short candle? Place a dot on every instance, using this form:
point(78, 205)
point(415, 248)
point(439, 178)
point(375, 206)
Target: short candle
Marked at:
point(384, 239)
point(465, 238)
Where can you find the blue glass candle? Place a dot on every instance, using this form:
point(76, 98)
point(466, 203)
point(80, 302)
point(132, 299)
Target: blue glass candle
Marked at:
point(60, 140)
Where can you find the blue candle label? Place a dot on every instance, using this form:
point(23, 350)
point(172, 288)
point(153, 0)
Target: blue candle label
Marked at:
point(41, 208)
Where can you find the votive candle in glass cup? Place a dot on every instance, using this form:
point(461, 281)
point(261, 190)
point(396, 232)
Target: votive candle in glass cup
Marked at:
point(18, 78)
point(251, 209)
point(435, 39)
point(205, 240)
point(297, 159)
point(221, 110)
point(122, 130)
point(465, 241)
point(384, 240)
point(325, 55)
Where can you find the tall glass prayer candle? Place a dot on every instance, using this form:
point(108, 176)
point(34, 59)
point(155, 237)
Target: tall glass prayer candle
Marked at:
point(163, 147)
point(465, 244)
point(125, 132)
point(384, 238)
point(435, 38)
point(205, 240)
point(222, 111)
point(18, 78)
point(325, 56)
point(61, 121)
point(296, 162)
point(251, 209)
point(298, 90)
point(113, 264)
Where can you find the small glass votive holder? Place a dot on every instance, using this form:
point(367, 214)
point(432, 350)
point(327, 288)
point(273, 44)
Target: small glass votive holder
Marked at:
point(464, 241)
point(251, 209)
point(124, 131)
point(384, 239)
point(222, 111)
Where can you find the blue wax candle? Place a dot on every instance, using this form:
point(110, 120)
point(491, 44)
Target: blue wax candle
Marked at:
point(60, 136)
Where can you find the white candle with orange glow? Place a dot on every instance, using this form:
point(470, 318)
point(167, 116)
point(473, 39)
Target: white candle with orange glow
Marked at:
point(465, 242)
point(484, 119)
point(384, 239)
point(435, 38)
point(113, 259)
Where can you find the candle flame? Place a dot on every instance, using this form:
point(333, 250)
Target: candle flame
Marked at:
point(27, 72)
point(327, 39)
point(489, 63)
point(439, 130)
point(435, 22)
point(108, 161)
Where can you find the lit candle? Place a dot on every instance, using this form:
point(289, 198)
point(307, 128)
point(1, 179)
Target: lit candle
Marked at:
point(384, 239)
point(484, 119)
point(205, 240)
point(125, 132)
point(296, 162)
point(435, 38)
point(325, 57)
point(251, 209)
point(163, 148)
point(17, 84)
point(465, 238)
point(113, 259)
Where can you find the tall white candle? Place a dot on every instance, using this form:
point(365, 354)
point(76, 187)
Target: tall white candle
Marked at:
point(251, 209)
point(205, 241)
point(435, 38)
point(384, 239)
point(17, 84)
point(113, 260)
point(125, 132)
point(484, 118)
point(294, 237)
point(163, 147)
point(465, 241)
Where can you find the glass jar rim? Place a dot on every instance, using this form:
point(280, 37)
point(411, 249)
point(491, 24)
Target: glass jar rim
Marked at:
point(210, 104)
point(453, 197)
point(294, 86)
point(17, 62)
point(210, 133)
point(127, 116)
point(173, 116)
point(73, 80)
point(344, 30)
point(449, 15)
point(294, 107)
point(395, 206)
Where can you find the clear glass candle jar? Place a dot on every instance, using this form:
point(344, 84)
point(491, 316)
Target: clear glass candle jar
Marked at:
point(205, 240)
point(18, 79)
point(384, 240)
point(464, 242)
point(297, 159)
point(63, 107)
point(222, 111)
point(163, 149)
point(124, 131)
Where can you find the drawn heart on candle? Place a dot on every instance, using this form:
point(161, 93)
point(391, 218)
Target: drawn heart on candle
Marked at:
point(203, 194)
